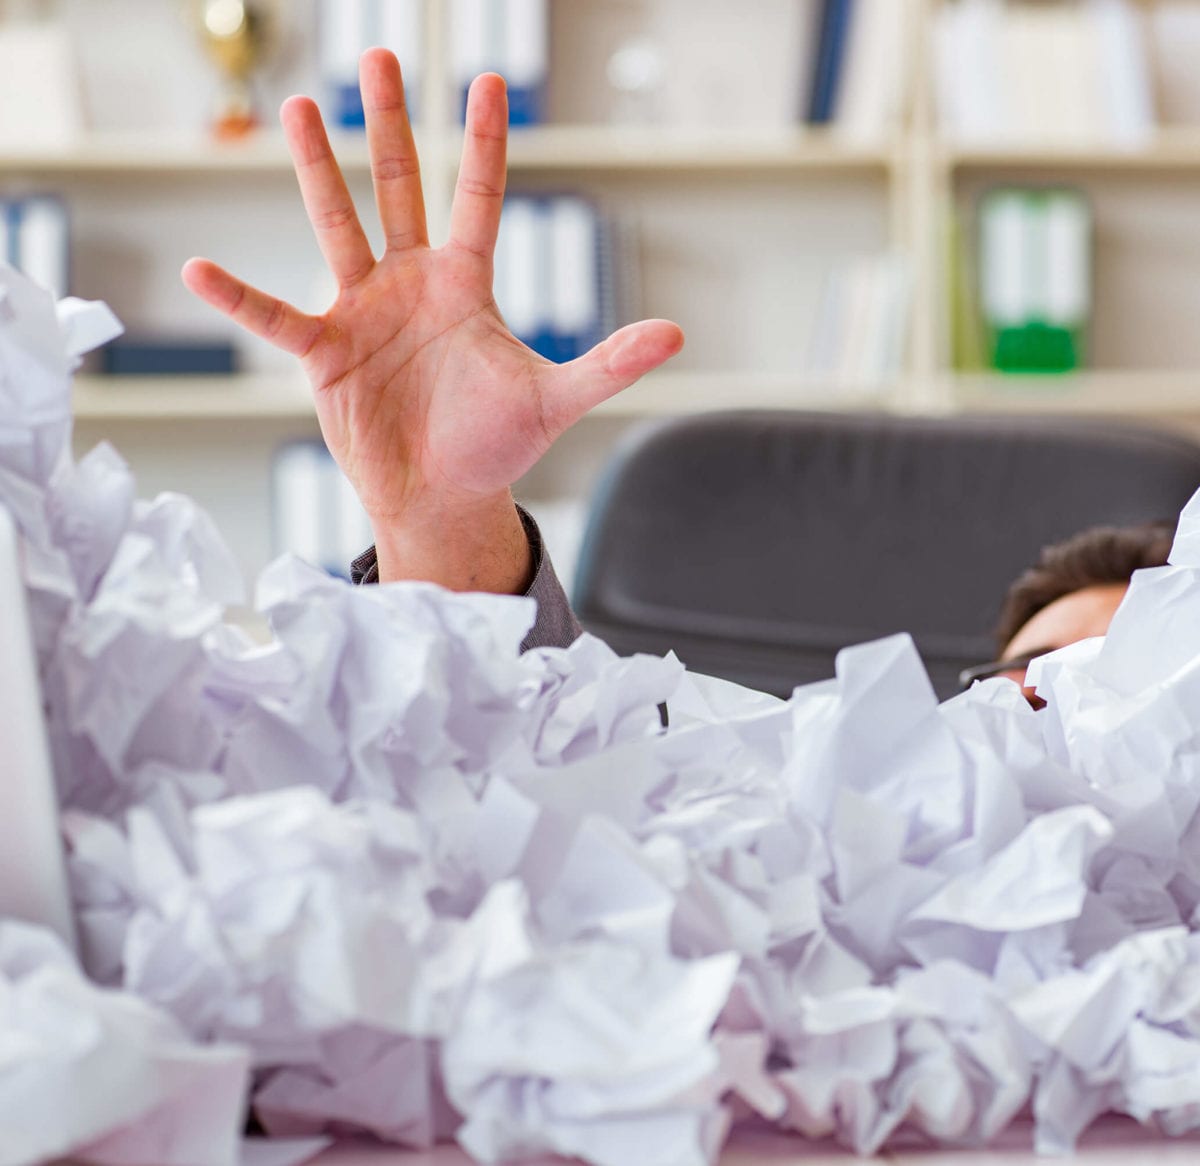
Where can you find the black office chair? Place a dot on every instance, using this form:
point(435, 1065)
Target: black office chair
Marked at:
point(757, 544)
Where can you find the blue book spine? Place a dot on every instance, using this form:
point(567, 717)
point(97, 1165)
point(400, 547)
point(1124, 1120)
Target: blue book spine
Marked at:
point(526, 59)
point(348, 109)
point(545, 343)
point(526, 107)
point(831, 52)
point(340, 40)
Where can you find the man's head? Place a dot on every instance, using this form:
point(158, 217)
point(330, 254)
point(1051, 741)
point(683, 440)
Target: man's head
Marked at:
point(1074, 589)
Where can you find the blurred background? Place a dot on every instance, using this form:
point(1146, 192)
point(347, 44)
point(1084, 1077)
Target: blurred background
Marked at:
point(922, 206)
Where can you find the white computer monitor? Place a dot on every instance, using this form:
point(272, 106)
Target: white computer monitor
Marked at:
point(33, 877)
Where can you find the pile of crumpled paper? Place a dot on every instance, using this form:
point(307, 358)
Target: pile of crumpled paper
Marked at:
point(386, 874)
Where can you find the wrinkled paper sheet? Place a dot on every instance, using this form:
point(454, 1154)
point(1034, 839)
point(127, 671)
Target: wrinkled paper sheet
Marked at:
point(386, 874)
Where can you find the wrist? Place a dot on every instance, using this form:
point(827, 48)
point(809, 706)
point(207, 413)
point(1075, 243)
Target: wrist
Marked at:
point(478, 545)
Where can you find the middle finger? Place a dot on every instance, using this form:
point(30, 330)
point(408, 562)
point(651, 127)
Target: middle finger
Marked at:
point(395, 169)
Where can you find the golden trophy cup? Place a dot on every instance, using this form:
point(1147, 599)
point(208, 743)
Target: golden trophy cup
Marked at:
point(236, 35)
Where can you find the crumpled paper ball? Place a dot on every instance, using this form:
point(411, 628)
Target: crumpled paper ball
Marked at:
point(102, 1075)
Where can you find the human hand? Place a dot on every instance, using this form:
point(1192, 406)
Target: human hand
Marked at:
point(429, 404)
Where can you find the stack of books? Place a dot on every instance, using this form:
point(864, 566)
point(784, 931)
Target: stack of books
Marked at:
point(554, 280)
point(841, 64)
point(315, 513)
point(509, 37)
point(859, 331)
point(1071, 72)
point(346, 29)
point(859, 67)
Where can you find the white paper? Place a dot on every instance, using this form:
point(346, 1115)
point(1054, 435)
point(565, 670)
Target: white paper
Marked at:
point(139, 1090)
point(424, 886)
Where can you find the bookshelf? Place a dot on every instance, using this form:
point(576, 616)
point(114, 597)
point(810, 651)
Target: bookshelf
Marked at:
point(1142, 184)
point(736, 228)
point(251, 397)
point(1169, 150)
point(102, 400)
point(1152, 396)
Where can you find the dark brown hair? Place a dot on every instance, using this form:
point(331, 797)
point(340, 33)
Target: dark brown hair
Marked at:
point(1103, 554)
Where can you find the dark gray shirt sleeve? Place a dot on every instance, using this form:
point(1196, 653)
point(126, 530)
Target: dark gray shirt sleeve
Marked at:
point(555, 626)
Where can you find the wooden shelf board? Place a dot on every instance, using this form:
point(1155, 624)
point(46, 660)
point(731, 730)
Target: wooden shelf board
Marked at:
point(265, 397)
point(1173, 148)
point(1120, 393)
point(586, 147)
point(666, 149)
point(536, 148)
point(173, 154)
point(185, 398)
point(676, 393)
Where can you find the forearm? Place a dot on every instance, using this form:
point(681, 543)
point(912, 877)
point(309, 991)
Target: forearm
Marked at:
point(556, 625)
point(477, 547)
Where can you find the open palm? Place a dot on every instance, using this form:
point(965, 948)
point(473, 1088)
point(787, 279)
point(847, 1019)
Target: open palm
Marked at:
point(428, 402)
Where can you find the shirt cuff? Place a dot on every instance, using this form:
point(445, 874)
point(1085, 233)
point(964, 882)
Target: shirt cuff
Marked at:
point(556, 625)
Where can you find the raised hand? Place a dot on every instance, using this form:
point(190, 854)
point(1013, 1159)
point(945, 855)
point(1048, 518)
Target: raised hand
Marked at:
point(430, 405)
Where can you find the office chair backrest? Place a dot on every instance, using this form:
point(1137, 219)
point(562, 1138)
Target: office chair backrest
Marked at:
point(757, 544)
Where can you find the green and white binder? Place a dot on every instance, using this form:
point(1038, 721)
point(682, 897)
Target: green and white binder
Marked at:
point(1035, 272)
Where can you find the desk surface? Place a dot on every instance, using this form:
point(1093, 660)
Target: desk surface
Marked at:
point(1110, 1142)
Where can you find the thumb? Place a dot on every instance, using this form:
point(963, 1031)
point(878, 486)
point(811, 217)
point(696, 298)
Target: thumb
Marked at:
point(614, 364)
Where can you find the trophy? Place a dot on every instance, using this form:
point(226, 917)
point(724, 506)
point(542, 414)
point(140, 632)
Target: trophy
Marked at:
point(236, 34)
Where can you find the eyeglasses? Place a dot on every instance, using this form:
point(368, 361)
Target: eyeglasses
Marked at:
point(968, 676)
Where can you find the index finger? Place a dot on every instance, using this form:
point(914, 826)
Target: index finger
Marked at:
point(479, 193)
